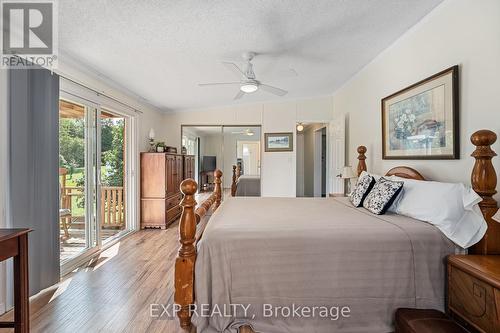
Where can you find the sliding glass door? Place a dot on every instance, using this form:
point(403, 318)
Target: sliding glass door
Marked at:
point(93, 178)
point(112, 199)
point(77, 176)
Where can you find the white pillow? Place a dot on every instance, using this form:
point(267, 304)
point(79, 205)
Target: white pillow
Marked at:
point(453, 208)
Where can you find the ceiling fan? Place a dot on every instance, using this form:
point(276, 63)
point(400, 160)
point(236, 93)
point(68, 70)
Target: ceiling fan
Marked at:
point(248, 83)
point(248, 132)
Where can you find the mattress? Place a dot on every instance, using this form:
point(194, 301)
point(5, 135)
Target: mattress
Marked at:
point(263, 255)
point(248, 186)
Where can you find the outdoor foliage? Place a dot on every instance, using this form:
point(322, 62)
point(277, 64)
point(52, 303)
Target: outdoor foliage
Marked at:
point(71, 143)
point(112, 158)
point(72, 150)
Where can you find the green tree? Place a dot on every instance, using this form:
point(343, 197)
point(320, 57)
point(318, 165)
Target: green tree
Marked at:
point(72, 142)
point(106, 135)
point(113, 157)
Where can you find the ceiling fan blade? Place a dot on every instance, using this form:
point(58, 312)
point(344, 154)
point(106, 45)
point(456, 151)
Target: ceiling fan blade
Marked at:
point(234, 68)
point(239, 95)
point(273, 90)
point(218, 84)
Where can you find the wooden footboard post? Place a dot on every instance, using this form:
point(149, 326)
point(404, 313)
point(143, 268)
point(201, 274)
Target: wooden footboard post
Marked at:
point(233, 184)
point(184, 263)
point(484, 182)
point(218, 187)
point(361, 159)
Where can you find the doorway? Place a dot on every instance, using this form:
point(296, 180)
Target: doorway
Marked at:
point(205, 143)
point(248, 157)
point(312, 157)
point(93, 150)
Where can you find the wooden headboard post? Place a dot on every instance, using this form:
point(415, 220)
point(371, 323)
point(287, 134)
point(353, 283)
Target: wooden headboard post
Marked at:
point(361, 159)
point(484, 182)
point(218, 188)
point(184, 263)
point(233, 184)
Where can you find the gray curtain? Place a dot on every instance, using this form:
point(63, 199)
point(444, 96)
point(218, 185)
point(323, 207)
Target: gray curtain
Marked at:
point(34, 165)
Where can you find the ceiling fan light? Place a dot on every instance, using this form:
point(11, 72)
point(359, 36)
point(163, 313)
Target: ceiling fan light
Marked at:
point(249, 88)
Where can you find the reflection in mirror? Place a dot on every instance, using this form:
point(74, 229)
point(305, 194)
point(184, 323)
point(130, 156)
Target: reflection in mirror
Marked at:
point(242, 149)
point(222, 147)
point(205, 144)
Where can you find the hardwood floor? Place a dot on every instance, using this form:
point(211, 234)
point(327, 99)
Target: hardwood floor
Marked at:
point(113, 293)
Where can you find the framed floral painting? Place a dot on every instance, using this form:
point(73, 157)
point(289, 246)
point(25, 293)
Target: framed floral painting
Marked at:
point(421, 121)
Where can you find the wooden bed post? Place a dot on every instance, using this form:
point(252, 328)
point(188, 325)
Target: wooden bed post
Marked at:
point(188, 237)
point(233, 184)
point(184, 263)
point(361, 159)
point(484, 182)
point(218, 188)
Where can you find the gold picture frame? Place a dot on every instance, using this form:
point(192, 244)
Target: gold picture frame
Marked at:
point(421, 121)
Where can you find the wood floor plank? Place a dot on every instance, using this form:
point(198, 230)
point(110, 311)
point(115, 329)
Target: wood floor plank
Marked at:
point(113, 293)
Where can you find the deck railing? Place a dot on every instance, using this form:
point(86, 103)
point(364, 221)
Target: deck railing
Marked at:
point(112, 204)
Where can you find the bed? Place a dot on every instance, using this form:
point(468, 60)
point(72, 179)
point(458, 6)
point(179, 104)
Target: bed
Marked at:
point(244, 185)
point(308, 251)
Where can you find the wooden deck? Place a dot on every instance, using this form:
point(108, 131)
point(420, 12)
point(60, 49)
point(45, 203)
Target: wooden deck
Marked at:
point(76, 243)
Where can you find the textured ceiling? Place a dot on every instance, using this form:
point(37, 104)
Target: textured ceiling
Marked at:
point(161, 49)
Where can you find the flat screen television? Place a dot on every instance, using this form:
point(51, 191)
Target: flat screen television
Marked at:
point(209, 163)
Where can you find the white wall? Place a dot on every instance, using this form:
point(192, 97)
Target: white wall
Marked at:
point(278, 169)
point(211, 145)
point(460, 32)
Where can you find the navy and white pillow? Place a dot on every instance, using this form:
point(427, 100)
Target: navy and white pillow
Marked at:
point(363, 186)
point(382, 195)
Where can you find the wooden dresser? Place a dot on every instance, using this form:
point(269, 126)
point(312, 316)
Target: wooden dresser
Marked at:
point(474, 291)
point(161, 176)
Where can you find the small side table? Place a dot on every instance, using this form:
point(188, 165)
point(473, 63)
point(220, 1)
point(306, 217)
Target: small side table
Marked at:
point(14, 244)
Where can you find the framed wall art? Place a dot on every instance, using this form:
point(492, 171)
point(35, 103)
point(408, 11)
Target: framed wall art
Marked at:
point(278, 141)
point(421, 121)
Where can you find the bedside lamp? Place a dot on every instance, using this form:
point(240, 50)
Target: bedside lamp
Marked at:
point(347, 173)
point(152, 140)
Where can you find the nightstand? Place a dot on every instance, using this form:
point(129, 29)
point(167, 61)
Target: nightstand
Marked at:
point(474, 291)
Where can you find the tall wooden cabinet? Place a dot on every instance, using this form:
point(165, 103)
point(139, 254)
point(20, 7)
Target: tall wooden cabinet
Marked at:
point(161, 176)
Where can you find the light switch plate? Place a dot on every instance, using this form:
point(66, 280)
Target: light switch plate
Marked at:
point(496, 217)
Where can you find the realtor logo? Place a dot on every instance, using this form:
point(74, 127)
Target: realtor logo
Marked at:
point(29, 33)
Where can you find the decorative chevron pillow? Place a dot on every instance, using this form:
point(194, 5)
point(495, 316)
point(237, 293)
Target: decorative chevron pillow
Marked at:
point(363, 187)
point(382, 195)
